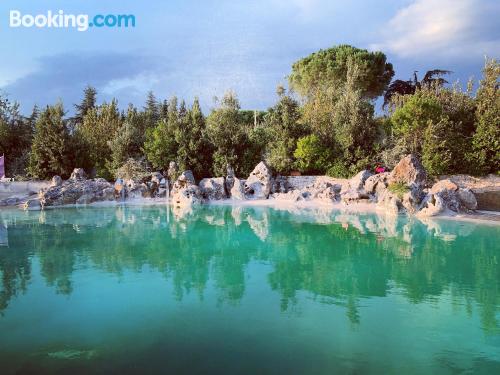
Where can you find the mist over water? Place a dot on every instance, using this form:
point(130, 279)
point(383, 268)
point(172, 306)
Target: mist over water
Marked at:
point(223, 289)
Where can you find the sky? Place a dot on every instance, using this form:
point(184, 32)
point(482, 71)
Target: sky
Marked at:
point(203, 48)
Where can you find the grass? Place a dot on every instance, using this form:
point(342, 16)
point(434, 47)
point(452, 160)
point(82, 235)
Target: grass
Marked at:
point(398, 188)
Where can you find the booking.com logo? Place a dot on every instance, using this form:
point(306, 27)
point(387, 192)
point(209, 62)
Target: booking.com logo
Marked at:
point(59, 19)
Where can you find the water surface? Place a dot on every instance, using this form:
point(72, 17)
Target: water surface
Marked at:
point(231, 290)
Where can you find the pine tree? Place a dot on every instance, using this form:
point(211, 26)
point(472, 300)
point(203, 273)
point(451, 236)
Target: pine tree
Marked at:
point(152, 110)
point(88, 102)
point(194, 151)
point(51, 152)
point(486, 140)
point(99, 127)
point(160, 146)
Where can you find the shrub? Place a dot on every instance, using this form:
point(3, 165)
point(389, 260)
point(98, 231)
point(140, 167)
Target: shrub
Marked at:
point(398, 188)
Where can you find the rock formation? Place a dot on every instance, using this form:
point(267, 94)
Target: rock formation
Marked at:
point(258, 184)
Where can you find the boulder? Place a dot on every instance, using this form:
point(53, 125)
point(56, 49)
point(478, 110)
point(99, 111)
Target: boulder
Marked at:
point(157, 178)
point(467, 199)
point(78, 174)
point(32, 205)
point(213, 188)
point(408, 171)
point(377, 183)
point(72, 190)
point(229, 178)
point(56, 181)
point(238, 189)
point(279, 185)
point(172, 171)
point(353, 196)
point(187, 196)
point(258, 185)
point(357, 182)
point(120, 190)
point(446, 197)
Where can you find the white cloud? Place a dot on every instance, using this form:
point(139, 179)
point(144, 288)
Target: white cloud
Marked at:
point(443, 27)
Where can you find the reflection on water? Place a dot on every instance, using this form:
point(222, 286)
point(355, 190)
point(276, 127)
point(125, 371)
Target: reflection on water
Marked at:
point(331, 258)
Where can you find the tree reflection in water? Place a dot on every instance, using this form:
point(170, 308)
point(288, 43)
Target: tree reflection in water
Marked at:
point(336, 257)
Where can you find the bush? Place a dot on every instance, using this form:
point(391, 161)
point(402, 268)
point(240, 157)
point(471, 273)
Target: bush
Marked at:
point(312, 156)
point(398, 188)
point(133, 170)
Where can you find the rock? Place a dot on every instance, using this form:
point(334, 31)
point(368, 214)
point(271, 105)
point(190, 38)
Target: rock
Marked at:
point(229, 178)
point(467, 199)
point(172, 171)
point(258, 184)
point(213, 188)
point(357, 182)
point(120, 190)
point(433, 205)
point(157, 178)
point(376, 183)
point(56, 181)
point(330, 194)
point(32, 205)
point(292, 195)
point(187, 196)
point(280, 185)
point(411, 200)
point(238, 189)
point(85, 199)
point(409, 171)
point(390, 203)
point(78, 174)
point(12, 201)
point(72, 190)
point(353, 196)
point(444, 185)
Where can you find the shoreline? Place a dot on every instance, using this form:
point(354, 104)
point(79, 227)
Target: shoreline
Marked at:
point(483, 217)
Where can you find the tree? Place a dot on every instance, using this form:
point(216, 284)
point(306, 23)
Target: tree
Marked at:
point(194, 150)
point(328, 68)
point(312, 155)
point(343, 120)
point(160, 146)
point(51, 152)
point(16, 134)
point(129, 139)
point(88, 102)
point(226, 133)
point(99, 127)
point(486, 140)
point(283, 125)
point(152, 110)
point(431, 78)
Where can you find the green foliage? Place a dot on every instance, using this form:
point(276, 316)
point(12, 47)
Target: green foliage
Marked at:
point(132, 169)
point(16, 134)
point(410, 121)
point(99, 127)
point(486, 140)
point(193, 148)
point(283, 125)
point(312, 155)
point(328, 68)
point(88, 102)
point(398, 188)
point(226, 133)
point(128, 140)
point(160, 146)
point(51, 151)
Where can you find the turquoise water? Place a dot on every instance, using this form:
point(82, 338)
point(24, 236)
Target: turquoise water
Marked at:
point(233, 290)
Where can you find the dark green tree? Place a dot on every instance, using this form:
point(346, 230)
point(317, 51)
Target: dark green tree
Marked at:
point(329, 68)
point(51, 151)
point(284, 129)
point(486, 140)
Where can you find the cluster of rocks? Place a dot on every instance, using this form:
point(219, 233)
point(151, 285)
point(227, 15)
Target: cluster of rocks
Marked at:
point(404, 190)
point(79, 190)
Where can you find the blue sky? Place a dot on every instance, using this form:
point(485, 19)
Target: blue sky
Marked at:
point(203, 48)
